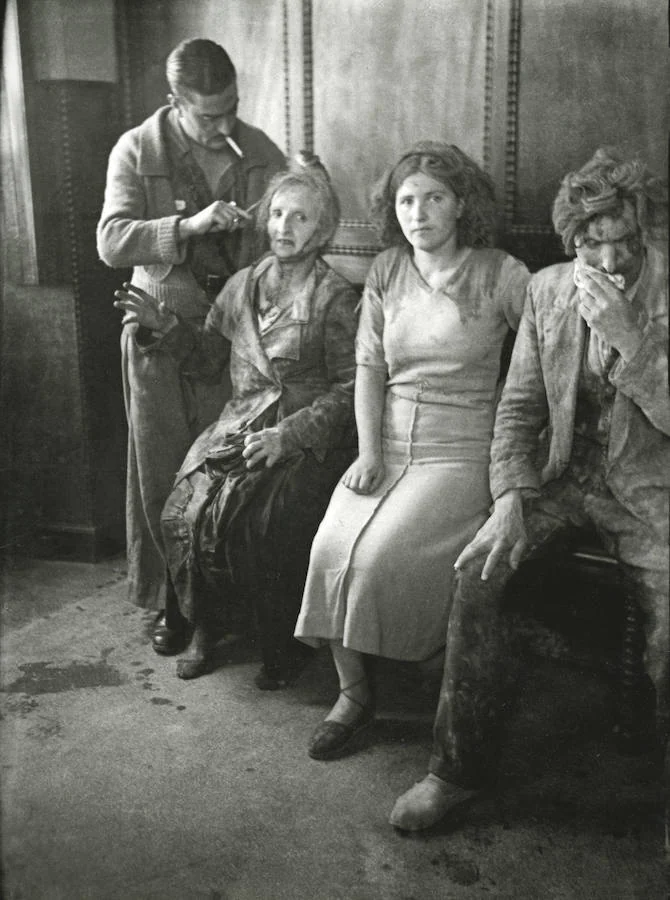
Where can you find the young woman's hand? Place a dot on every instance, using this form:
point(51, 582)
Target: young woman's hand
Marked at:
point(263, 447)
point(364, 475)
point(144, 309)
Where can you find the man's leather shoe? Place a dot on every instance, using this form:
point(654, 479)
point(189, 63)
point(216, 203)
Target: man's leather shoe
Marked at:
point(168, 641)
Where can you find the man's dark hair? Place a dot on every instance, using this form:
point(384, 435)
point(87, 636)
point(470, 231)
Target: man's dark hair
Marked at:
point(201, 66)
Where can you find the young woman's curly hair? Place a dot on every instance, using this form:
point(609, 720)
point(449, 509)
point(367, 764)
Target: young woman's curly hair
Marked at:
point(601, 188)
point(307, 171)
point(447, 164)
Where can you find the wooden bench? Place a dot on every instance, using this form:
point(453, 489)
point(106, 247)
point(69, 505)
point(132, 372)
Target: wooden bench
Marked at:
point(571, 605)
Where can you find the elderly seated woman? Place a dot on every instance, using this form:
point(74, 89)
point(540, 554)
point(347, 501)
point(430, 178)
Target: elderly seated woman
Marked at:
point(254, 486)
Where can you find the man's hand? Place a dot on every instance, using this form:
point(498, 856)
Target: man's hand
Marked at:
point(144, 309)
point(218, 216)
point(503, 532)
point(364, 475)
point(609, 313)
point(263, 447)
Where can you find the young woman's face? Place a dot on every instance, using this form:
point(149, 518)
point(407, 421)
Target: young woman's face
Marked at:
point(428, 213)
point(293, 224)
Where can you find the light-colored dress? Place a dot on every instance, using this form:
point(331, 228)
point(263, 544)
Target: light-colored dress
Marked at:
point(381, 565)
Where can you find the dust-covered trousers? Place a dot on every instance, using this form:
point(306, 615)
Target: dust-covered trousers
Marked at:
point(479, 669)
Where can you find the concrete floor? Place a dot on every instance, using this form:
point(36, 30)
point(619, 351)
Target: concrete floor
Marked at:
point(120, 781)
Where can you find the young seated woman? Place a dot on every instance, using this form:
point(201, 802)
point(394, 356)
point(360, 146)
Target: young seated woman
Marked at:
point(436, 309)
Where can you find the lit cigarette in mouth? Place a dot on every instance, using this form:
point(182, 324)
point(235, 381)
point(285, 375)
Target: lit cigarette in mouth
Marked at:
point(234, 147)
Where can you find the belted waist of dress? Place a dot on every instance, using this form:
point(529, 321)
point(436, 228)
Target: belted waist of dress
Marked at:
point(427, 392)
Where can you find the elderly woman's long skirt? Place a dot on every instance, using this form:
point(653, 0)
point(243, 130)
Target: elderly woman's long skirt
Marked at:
point(381, 568)
point(237, 543)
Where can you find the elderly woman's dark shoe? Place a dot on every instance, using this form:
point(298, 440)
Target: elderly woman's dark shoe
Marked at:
point(270, 679)
point(200, 657)
point(195, 666)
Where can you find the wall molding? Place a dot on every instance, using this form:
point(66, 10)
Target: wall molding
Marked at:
point(72, 219)
point(539, 230)
point(286, 55)
point(489, 53)
point(124, 64)
point(512, 125)
point(308, 77)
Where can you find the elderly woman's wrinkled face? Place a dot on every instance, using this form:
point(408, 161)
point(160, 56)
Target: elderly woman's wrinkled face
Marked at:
point(613, 244)
point(294, 222)
point(428, 213)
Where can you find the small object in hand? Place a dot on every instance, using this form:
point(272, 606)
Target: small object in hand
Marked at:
point(239, 213)
point(617, 280)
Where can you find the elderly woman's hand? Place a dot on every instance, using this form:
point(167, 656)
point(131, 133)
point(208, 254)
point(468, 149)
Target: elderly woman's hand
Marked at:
point(365, 474)
point(263, 447)
point(144, 309)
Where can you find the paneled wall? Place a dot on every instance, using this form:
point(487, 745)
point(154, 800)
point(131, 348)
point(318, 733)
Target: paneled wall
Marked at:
point(63, 450)
point(529, 88)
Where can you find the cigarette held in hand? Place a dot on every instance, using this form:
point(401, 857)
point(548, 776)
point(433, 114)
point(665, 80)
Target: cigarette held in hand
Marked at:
point(239, 212)
point(234, 147)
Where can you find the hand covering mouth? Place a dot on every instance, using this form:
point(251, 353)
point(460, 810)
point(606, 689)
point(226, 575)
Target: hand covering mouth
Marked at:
point(617, 279)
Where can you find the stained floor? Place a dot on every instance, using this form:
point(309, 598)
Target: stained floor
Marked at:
point(120, 781)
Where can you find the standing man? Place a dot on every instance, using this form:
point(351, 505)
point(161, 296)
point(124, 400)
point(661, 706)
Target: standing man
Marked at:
point(178, 189)
point(590, 372)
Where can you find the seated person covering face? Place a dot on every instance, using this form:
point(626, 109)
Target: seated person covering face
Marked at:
point(254, 486)
point(435, 311)
point(591, 363)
